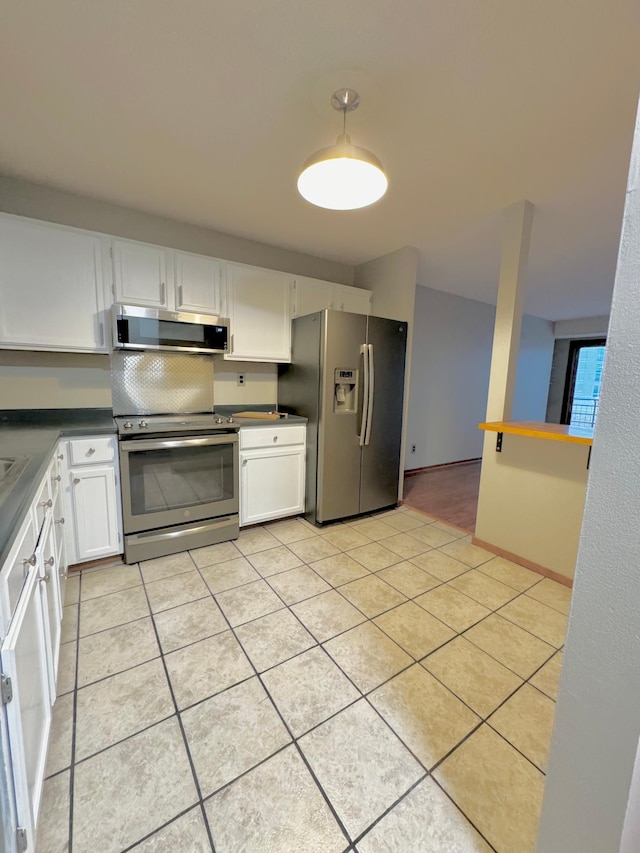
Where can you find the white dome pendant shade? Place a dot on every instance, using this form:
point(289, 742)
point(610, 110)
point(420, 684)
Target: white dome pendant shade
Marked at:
point(343, 176)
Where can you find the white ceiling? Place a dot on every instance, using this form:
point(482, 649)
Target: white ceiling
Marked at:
point(204, 110)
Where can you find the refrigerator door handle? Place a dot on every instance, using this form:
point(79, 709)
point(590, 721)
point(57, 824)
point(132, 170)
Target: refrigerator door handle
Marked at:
point(372, 385)
point(364, 352)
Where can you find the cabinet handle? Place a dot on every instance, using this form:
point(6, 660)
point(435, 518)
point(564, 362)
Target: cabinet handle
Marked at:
point(30, 561)
point(50, 562)
point(75, 481)
point(275, 437)
point(101, 334)
point(180, 300)
point(61, 456)
point(162, 291)
point(60, 520)
point(46, 504)
point(56, 479)
point(91, 451)
point(244, 461)
point(46, 578)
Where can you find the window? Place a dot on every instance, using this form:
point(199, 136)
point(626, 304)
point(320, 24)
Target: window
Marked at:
point(582, 384)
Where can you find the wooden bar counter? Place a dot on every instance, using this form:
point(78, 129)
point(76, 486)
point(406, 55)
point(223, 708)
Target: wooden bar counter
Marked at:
point(532, 491)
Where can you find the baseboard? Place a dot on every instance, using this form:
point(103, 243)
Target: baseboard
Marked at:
point(413, 471)
point(521, 561)
point(102, 563)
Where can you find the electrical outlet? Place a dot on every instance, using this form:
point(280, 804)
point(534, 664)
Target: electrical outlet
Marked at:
point(241, 379)
point(413, 448)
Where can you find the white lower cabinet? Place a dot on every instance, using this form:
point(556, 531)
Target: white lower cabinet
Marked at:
point(29, 661)
point(90, 497)
point(49, 583)
point(25, 676)
point(272, 473)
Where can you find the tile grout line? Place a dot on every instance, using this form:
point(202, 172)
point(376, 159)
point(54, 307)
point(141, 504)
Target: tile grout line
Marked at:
point(293, 739)
point(462, 812)
point(180, 724)
point(317, 644)
point(158, 829)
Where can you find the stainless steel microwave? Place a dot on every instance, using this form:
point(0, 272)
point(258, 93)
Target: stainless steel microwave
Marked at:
point(136, 328)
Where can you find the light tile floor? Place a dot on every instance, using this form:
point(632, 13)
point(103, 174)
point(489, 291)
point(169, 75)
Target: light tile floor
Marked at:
point(380, 685)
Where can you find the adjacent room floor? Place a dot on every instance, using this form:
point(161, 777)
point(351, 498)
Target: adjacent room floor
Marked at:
point(381, 685)
point(449, 492)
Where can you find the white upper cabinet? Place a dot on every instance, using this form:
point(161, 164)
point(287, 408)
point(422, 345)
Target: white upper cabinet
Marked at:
point(51, 290)
point(309, 295)
point(139, 274)
point(198, 284)
point(155, 277)
point(353, 299)
point(260, 314)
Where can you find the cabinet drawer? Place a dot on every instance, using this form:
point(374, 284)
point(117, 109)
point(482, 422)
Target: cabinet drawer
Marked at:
point(253, 437)
point(86, 451)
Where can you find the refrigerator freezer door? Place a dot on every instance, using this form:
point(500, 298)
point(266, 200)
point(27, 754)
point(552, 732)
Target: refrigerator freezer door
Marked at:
point(381, 455)
point(338, 487)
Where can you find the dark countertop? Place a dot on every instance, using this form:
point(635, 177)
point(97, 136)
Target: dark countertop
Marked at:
point(291, 420)
point(35, 433)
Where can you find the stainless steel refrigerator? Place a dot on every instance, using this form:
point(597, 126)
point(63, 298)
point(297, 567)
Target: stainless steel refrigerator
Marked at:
point(347, 377)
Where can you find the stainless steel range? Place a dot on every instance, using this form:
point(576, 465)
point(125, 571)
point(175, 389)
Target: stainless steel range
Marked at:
point(179, 476)
point(179, 471)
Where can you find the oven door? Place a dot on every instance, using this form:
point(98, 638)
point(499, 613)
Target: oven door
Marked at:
point(168, 481)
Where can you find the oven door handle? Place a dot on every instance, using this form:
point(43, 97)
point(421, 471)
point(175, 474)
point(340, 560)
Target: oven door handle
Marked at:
point(132, 446)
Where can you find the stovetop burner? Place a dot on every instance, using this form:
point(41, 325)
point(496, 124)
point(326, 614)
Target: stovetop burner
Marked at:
point(146, 424)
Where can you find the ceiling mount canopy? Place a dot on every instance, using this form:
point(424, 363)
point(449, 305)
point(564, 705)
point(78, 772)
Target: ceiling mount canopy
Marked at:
point(343, 176)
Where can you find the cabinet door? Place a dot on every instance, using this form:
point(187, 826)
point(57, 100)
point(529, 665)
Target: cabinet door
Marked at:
point(49, 583)
point(95, 511)
point(24, 661)
point(311, 295)
point(59, 522)
point(198, 284)
point(353, 299)
point(15, 570)
point(140, 274)
point(259, 313)
point(50, 287)
point(271, 484)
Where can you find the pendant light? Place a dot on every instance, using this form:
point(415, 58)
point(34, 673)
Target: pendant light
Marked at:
point(342, 176)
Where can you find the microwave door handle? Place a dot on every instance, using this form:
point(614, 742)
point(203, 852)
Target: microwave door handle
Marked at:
point(365, 399)
point(372, 385)
point(134, 445)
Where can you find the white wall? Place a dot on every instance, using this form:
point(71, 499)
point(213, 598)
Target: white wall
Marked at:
point(597, 728)
point(54, 380)
point(534, 369)
point(581, 327)
point(261, 383)
point(451, 359)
